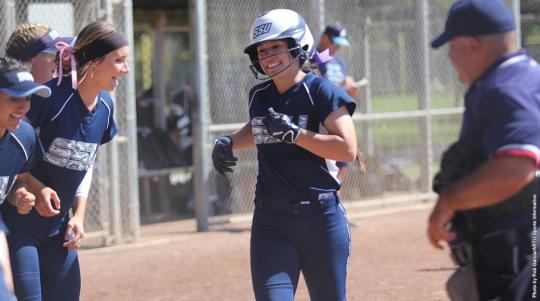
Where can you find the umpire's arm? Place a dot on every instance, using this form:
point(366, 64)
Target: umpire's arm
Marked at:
point(493, 182)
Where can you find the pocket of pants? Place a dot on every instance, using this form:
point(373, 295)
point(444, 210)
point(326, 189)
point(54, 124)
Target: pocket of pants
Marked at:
point(497, 254)
point(329, 204)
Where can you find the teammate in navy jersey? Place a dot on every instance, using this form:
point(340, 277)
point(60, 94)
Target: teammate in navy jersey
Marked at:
point(487, 187)
point(300, 124)
point(34, 44)
point(72, 124)
point(19, 148)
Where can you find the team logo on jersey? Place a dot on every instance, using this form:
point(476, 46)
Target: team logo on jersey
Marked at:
point(261, 136)
point(71, 154)
point(3, 188)
point(261, 29)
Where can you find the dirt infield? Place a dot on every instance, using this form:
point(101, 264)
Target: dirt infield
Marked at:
point(391, 260)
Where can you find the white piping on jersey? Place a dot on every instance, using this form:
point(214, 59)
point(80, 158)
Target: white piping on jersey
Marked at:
point(108, 109)
point(349, 233)
point(513, 60)
point(309, 94)
point(20, 144)
point(251, 100)
point(62, 108)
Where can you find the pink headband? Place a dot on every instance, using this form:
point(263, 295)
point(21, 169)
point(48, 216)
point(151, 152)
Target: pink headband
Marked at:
point(65, 51)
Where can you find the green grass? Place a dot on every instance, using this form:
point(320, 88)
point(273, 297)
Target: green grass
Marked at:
point(409, 102)
point(405, 133)
point(389, 135)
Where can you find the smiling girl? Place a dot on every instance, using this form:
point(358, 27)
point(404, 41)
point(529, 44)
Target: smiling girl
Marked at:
point(72, 124)
point(300, 124)
point(19, 147)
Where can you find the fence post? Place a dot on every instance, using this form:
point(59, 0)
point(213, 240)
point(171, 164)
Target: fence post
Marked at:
point(7, 21)
point(424, 96)
point(517, 17)
point(367, 106)
point(201, 152)
point(112, 154)
point(322, 18)
point(131, 128)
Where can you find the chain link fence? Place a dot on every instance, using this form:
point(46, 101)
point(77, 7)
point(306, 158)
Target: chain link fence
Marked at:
point(112, 212)
point(407, 116)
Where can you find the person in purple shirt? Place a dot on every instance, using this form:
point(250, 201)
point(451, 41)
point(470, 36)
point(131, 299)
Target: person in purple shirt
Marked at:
point(487, 185)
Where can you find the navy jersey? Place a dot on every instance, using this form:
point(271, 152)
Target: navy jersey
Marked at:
point(286, 171)
point(502, 108)
point(19, 150)
point(334, 70)
point(70, 135)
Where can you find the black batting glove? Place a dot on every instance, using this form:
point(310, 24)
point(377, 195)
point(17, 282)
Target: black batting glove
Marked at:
point(281, 127)
point(222, 155)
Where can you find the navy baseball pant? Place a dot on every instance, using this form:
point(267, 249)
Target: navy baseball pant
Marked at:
point(312, 237)
point(44, 270)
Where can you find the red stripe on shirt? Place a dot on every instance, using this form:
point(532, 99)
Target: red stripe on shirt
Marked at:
point(519, 153)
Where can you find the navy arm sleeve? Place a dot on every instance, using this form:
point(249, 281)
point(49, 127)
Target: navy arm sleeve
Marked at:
point(511, 122)
point(329, 97)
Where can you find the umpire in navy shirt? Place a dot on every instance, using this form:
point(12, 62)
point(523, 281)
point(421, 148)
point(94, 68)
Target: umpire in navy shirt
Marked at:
point(486, 209)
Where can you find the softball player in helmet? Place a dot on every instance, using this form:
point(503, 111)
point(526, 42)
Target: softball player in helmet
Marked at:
point(300, 124)
point(78, 117)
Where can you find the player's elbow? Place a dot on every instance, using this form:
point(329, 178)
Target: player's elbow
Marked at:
point(350, 154)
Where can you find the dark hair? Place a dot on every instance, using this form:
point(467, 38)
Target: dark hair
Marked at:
point(88, 34)
point(305, 65)
point(310, 67)
point(8, 64)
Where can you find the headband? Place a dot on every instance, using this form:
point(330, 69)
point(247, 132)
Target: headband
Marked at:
point(36, 46)
point(100, 47)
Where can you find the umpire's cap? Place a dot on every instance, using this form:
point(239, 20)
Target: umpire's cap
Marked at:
point(475, 18)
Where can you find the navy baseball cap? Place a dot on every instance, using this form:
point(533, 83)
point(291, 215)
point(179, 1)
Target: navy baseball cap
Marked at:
point(52, 47)
point(21, 84)
point(475, 18)
point(46, 43)
point(337, 33)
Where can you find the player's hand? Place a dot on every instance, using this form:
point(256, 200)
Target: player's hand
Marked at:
point(351, 87)
point(281, 127)
point(222, 155)
point(44, 202)
point(23, 200)
point(438, 224)
point(74, 233)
